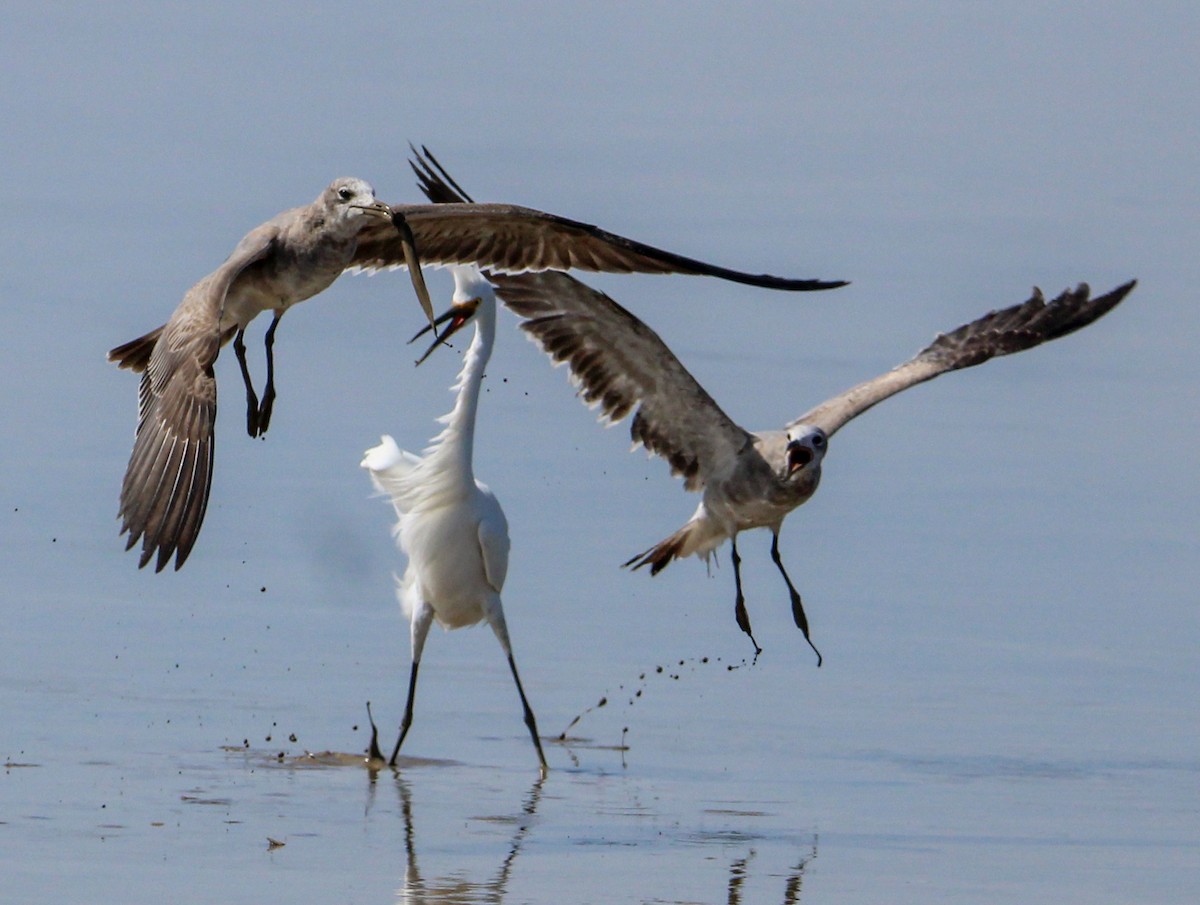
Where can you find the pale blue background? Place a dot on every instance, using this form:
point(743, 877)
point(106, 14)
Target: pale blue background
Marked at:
point(1000, 568)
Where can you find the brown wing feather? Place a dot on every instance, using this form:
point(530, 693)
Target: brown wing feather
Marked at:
point(432, 179)
point(617, 361)
point(514, 239)
point(997, 333)
point(165, 491)
point(621, 365)
point(135, 354)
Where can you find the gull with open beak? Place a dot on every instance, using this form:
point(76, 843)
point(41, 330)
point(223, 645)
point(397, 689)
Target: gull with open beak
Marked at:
point(749, 479)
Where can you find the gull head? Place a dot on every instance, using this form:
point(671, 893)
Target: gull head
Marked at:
point(353, 200)
point(805, 449)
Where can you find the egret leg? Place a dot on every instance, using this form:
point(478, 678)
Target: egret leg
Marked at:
point(408, 712)
point(239, 347)
point(494, 613)
point(422, 619)
point(797, 606)
point(529, 720)
point(739, 605)
point(268, 399)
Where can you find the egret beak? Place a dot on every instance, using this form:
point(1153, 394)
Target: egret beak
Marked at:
point(413, 263)
point(458, 315)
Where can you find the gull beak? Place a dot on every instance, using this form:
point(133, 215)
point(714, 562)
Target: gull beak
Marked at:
point(798, 455)
point(458, 315)
point(378, 208)
point(413, 262)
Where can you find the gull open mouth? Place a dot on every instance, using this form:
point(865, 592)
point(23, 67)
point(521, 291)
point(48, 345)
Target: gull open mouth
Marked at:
point(797, 457)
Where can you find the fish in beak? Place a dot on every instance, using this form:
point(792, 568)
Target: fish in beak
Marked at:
point(413, 262)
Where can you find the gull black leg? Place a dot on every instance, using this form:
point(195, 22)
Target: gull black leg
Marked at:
point(239, 348)
point(268, 400)
point(739, 604)
point(797, 606)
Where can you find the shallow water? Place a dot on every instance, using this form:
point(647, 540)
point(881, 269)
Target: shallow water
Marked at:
point(1000, 567)
point(773, 782)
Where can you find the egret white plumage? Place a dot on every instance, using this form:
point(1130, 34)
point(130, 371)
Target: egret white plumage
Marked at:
point(292, 257)
point(749, 479)
point(451, 526)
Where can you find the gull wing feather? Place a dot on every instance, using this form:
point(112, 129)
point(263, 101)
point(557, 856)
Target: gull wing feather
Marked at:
point(165, 491)
point(621, 364)
point(617, 361)
point(135, 354)
point(997, 333)
point(513, 239)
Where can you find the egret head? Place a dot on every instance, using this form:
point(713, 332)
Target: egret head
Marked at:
point(350, 200)
point(459, 315)
point(805, 449)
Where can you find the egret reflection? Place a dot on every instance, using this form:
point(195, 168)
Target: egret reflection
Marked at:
point(456, 888)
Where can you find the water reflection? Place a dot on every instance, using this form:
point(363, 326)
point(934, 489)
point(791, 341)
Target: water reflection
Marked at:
point(748, 878)
point(454, 889)
point(739, 873)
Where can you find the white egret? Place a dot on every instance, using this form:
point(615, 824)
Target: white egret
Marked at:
point(451, 526)
point(750, 479)
point(292, 257)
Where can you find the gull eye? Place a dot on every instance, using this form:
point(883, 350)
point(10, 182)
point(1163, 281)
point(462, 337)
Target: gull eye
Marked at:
point(818, 441)
point(345, 194)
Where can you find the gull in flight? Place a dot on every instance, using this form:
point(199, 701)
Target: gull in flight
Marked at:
point(451, 526)
point(292, 257)
point(749, 479)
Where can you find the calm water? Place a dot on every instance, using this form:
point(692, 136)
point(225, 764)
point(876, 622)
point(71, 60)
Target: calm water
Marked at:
point(1000, 567)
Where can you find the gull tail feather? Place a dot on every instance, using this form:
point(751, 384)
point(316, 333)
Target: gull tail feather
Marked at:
point(135, 354)
point(698, 537)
